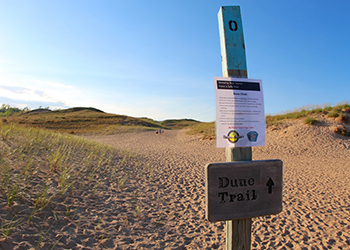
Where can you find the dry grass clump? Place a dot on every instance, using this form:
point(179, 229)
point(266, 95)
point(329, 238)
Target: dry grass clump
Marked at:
point(41, 170)
point(342, 118)
point(340, 130)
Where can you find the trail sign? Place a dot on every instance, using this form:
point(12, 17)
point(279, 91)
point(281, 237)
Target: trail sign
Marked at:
point(238, 190)
point(223, 203)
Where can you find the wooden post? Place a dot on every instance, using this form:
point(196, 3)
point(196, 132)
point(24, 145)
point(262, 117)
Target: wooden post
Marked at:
point(238, 232)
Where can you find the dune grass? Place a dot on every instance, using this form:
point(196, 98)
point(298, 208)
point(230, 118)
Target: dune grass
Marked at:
point(311, 120)
point(207, 130)
point(41, 169)
point(306, 111)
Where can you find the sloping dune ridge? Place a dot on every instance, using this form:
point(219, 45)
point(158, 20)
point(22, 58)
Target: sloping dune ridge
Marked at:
point(316, 191)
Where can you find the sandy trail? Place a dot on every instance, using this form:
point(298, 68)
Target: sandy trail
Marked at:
point(179, 162)
point(316, 195)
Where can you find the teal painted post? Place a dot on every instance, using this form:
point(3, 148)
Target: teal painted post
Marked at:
point(233, 57)
point(232, 42)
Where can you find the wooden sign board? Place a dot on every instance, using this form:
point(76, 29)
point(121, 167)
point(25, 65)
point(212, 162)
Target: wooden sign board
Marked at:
point(237, 190)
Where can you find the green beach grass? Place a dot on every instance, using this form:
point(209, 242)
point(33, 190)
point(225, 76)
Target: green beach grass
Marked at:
point(41, 169)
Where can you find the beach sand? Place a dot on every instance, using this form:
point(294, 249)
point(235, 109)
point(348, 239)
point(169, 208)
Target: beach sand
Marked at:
point(167, 210)
point(316, 191)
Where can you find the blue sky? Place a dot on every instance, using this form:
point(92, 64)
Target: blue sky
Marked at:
point(158, 58)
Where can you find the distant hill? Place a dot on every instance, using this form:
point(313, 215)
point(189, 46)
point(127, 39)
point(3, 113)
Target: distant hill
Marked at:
point(179, 123)
point(80, 120)
point(35, 111)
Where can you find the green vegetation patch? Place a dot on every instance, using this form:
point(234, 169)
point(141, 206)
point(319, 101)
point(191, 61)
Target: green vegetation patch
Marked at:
point(306, 111)
point(7, 110)
point(311, 120)
point(333, 114)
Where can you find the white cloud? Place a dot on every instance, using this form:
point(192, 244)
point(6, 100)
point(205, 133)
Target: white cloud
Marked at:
point(25, 94)
point(24, 91)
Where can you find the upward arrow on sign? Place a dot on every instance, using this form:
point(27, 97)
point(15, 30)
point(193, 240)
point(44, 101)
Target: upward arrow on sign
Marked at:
point(269, 184)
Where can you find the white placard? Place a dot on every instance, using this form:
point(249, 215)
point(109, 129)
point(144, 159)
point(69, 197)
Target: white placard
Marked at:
point(240, 116)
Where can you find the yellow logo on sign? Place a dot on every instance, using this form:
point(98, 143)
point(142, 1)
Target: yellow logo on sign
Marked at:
point(233, 136)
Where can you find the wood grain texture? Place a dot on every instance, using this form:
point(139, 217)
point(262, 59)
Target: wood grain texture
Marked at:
point(238, 154)
point(233, 56)
point(238, 232)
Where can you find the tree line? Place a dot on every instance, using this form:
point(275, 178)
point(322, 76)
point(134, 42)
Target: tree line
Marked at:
point(7, 110)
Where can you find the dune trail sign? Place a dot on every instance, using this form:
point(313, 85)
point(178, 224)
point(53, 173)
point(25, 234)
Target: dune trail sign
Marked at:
point(241, 188)
point(238, 190)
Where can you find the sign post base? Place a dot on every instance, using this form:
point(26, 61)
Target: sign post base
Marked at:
point(238, 232)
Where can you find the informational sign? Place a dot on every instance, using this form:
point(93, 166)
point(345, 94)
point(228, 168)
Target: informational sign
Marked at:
point(240, 116)
point(238, 190)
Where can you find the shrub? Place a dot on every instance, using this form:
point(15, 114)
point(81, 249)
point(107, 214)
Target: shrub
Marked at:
point(333, 114)
point(327, 109)
point(310, 120)
point(7, 110)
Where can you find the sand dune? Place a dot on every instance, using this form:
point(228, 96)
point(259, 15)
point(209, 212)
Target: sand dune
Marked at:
point(316, 206)
point(166, 208)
